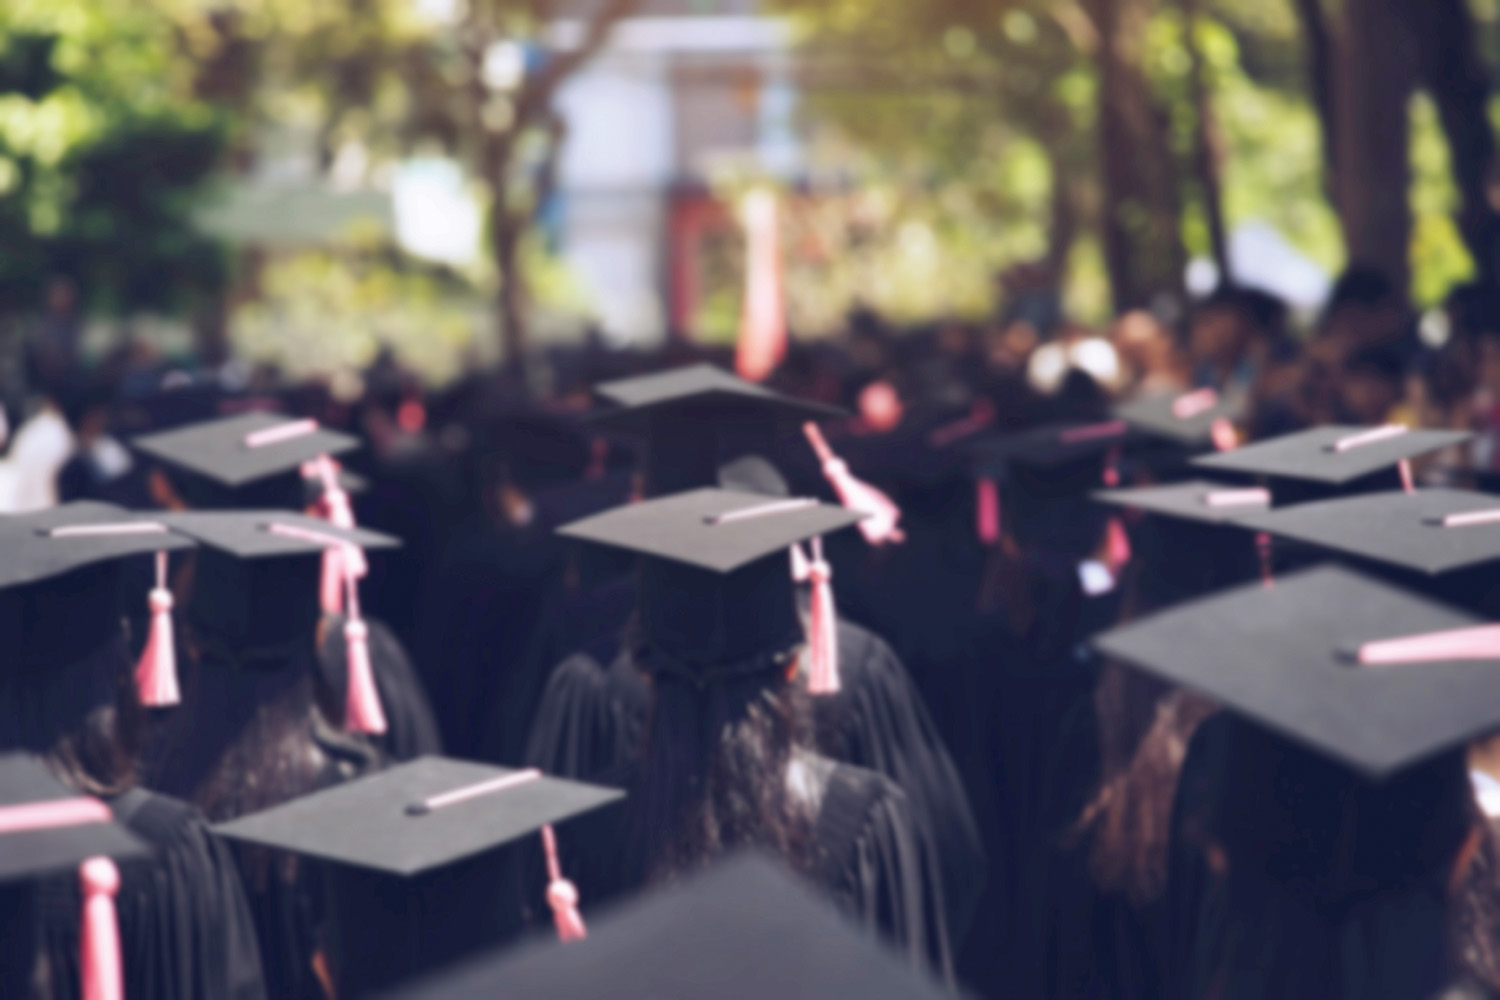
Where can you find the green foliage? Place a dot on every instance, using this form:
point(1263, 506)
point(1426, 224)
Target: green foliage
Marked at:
point(103, 149)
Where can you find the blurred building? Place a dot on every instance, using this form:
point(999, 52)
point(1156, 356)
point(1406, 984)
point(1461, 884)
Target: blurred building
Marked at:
point(684, 92)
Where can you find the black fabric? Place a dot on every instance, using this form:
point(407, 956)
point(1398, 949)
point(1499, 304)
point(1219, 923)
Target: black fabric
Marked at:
point(186, 930)
point(743, 929)
point(592, 719)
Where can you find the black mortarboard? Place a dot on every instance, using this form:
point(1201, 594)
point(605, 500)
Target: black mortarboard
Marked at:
point(1331, 456)
point(414, 854)
point(1192, 544)
point(745, 929)
point(698, 417)
point(1292, 657)
point(716, 530)
point(60, 594)
point(716, 583)
point(1399, 528)
point(47, 849)
point(48, 830)
point(1195, 500)
point(256, 578)
point(1184, 418)
point(244, 461)
point(1047, 475)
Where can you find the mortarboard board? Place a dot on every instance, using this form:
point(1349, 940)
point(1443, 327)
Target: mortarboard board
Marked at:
point(248, 460)
point(47, 829)
point(1195, 500)
point(710, 529)
point(715, 583)
point(745, 929)
point(415, 857)
point(697, 417)
point(67, 831)
point(257, 583)
point(1293, 658)
point(1431, 531)
point(1052, 446)
point(60, 598)
point(1331, 456)
point(1184, 418)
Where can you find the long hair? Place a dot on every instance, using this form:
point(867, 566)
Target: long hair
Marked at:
point(1128, 823)
point(84, 717)
point(714, 766)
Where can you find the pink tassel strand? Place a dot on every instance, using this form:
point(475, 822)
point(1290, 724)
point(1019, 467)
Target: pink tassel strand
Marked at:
point(1407, 482)
point(1117, 551)
point(801, 565)
point(1223, 435)
point(1263, 550)
point(1479, 643)
point(881, 523)
point(987, 511)
point(99, 943)
point(562, 895)
point(156, 673)
point(362, 709)
point(823, 640)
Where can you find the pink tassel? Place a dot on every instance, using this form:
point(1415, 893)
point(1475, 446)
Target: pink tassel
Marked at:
point(1116, 546)
point(881, 523)
point(362, 709)
point(332, 583)
point(1407, 483)
point(1223, 434)
point(562, 895)
point(156, 673)
point(100, 960)
point(1111, 475)
point(1480, 643)
point(762, 336)
point(801, 567)
point(823, 641)
point(1263, 550)
point(987, 510)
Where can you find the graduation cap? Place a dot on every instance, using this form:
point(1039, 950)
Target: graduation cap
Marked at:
point(250, 460)
point(715, 583)
point(745, 929)
point(46, 829)
point(416, 861)
point(1195, 500)
point(697, 417)
point(1431, 531)
point(1046, 475)
point(1191, 419)
point(1195, 542)
point(1333, 456)
point(1369, 676)
point(60, 595)
point(257, 580)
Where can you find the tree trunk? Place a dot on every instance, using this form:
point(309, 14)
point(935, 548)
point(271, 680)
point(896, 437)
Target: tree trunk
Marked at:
point(1453, 72)
point(1205, 151)
point(510, 298)
point(1141, 215)
point(1375, 77)
point(1320, 70)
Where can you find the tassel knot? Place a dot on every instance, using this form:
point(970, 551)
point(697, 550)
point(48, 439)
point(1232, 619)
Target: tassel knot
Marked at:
point(881, 522)
point(363, 712)
point(823, 636)
point(100, 959)
point(562, 895)
point(156, 672)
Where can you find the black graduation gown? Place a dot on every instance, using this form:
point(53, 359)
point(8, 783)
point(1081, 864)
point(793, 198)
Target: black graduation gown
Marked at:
point(186, 930)
point(865, 853)
point(243, 741)
point(592, 718)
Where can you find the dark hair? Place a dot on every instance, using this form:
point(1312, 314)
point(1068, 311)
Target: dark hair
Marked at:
point(714, 766)
point(83, 716)
point(1144, 735)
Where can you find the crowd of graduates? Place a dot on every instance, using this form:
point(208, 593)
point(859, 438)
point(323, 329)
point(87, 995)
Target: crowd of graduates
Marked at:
point(1061, 662)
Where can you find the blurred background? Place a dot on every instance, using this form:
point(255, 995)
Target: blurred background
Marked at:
point(287, 190)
